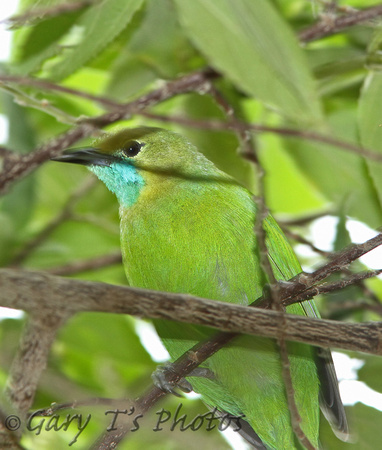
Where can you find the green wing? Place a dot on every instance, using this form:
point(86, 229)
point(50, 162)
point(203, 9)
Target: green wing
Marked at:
point(210, 250)
point(286, 266)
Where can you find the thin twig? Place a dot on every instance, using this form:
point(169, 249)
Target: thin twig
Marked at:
point(304, 220)
point(42, 292)
point(49, 86)
point(325, 28)
point(194, 82)
point(26, 100)
point(334, 6)
point(87, 265)
point(235, 124)
point(64, 214)
point(55, 407)
point(313, 291)
point(38, 292)
point(218, 125)
point(43, 13)
point(32, 357)
point(351, 306)
point(301, 240)
point(338, 262)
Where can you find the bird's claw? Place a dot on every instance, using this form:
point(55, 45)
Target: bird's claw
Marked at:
point(160, 380)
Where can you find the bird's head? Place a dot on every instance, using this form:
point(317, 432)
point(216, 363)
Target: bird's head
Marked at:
point(127, 160)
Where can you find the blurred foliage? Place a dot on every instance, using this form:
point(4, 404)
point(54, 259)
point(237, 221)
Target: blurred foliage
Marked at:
point(122, 49)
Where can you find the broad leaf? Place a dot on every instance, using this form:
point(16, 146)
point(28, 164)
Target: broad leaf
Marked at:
point(97, 28)
point(248, 42)
point(370, 130)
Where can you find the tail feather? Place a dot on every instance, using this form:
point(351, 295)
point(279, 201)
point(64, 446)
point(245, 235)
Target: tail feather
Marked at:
point(330, 400)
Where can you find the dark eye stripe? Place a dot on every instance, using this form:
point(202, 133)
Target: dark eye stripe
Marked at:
point(132, 149)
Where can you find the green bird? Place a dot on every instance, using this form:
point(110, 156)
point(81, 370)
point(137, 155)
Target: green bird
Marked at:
point(188, 227)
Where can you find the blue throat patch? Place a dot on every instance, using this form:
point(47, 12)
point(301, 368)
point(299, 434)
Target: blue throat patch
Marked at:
point(122, 179)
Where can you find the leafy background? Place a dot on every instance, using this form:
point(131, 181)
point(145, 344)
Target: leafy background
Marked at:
point(121, 49)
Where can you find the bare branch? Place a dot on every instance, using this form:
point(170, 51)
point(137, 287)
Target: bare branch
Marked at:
point(49, 86)
point(303, 220)
point(44, 13)
point(218, 125)
point(194, 82)
point(343, 258)
point(313, 291)
point(55, 299)
point(301, 240)
point(351, 306)
point(215, 125)
point(329, 27)
point(63, 215)
point(94, 401)
point(87, 265)
point(337, 262)
point(32, 357)
point(40, 292)
point(19, 166)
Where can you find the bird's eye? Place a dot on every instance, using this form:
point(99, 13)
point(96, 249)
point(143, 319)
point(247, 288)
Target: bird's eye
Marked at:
point(132, 148)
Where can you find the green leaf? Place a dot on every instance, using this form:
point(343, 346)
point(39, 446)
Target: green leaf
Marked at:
point(369, 123)
point(288, 188)
point(370, 372)
point(342, 177)
point(32, 47)
point(342, 238)
point(157, 49)
point(129, 77)
point(97, 27)
point(250, 43)
point(94, 349)
point(17, 207)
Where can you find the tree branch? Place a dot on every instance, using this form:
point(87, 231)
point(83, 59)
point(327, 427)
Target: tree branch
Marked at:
point(43, 13)
point(32, 357)
point(313, 291)
point(291, 235)
point(87, 265)
point(66, 213)
point(24, 164)
point(219, 125)
point(338, 261)
point(232, 123)
point(325, 28)
point(49, 86)
point(55, 299)
point(40, 292)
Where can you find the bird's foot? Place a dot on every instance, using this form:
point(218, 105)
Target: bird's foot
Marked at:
point(161, 381)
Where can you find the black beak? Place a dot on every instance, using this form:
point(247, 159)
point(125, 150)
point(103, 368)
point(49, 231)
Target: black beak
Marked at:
point(87, 156)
